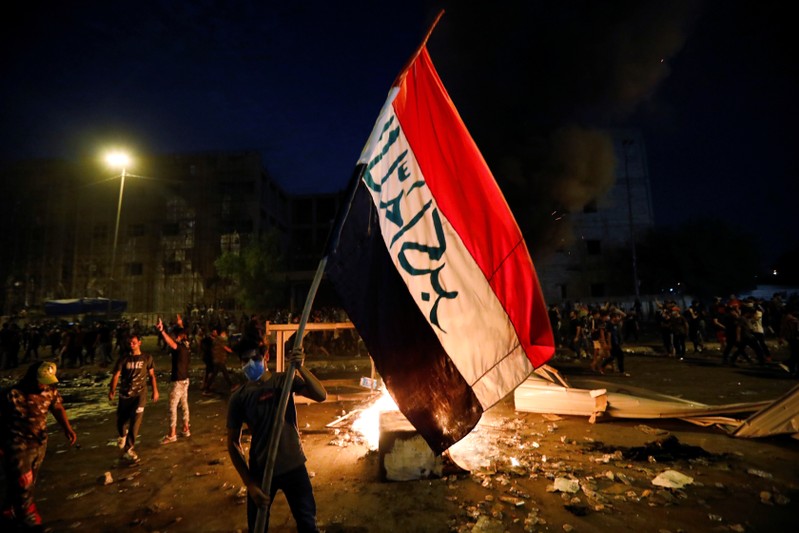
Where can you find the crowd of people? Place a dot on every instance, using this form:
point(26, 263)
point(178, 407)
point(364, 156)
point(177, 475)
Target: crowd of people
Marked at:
point(24, 408)
point(72, 344)
point(76, 344)
point(738, 328)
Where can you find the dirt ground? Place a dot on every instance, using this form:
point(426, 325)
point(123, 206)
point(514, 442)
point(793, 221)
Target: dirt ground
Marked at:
point(739, 484)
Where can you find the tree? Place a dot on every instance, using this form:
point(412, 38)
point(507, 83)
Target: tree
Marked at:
point(706, 257)
point(253, 272)
point(786, 268)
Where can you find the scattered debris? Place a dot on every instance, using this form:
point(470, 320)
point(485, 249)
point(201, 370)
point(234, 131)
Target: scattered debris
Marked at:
point(343, 418)
point(486, 524)
point(577, 509)
point(516, 502)
point(779, 417)
point(671, 479)
point(664, 450)
point(76, 495)
point(563, 484)
point(650, 430)
point(548, 390)
point(156, 507)
point(759, 473)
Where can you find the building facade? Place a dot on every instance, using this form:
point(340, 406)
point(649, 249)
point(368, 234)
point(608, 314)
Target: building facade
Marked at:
point(72, 231)
point(601, 261)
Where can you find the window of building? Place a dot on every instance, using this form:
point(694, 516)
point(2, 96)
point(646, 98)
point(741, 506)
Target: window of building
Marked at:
point(244, 226)
point(36, 234)
point(301, 213)
point(136, 230)
point(325, 210)
point(593, 247)
point(237, 188)
point(173, 268)
point(100, 231)
point(230, 242)
point(597, 290)
point(135, 269)
point(303, 239)
point(563, 291)
point(170, 229)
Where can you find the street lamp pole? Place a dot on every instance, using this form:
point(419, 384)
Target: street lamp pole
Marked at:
point(116, 236)
point(625, 144)
point(118, 160)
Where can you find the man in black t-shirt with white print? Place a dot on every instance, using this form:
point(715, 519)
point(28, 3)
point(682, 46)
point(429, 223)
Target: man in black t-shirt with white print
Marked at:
point(131, 372)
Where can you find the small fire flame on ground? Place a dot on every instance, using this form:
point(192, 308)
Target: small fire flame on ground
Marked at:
point(476, 450)
point(368, 422)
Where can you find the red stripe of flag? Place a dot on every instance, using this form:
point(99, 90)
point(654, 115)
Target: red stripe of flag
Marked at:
point(468, 196)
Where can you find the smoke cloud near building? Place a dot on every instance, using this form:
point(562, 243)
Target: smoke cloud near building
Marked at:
point(540, 84)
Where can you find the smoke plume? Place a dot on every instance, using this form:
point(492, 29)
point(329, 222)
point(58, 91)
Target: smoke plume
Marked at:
point(540, 85)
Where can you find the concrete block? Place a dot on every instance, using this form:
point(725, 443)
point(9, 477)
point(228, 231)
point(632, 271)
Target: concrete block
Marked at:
point(403, 454)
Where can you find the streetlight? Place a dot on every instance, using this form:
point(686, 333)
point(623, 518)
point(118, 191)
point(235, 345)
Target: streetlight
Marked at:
point(116, 160)
point(626, 143)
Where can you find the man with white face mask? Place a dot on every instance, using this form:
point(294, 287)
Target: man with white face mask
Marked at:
point(256, 404)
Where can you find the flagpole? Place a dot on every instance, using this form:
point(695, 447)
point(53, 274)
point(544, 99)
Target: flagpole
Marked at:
point(280, 414)
point(418, 51)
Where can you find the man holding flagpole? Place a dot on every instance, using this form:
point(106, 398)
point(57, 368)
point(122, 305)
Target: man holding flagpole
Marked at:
point(256, 404)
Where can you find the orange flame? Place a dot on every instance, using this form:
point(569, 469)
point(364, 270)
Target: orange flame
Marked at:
point(368, 422)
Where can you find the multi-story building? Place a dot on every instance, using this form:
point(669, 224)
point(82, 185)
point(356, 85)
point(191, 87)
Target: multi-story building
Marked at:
point(73, 231)
point(178, 213)
point(601, 261)
point(312, 217)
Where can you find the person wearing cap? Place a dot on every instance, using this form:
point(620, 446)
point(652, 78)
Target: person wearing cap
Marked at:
point(255, 404)
point(180, 350)
point(23, 440)
point(134, 369)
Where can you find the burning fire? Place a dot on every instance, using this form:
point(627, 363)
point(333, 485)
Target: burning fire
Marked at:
point(368, 422)
point(477, 450)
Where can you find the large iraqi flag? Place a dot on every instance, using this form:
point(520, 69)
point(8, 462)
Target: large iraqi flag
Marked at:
point(431, 267)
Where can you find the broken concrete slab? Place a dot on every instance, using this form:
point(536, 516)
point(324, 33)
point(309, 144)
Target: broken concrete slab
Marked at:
point(403, 453)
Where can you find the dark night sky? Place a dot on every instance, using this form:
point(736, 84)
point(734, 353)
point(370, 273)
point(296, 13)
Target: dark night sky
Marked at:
point(304, 83)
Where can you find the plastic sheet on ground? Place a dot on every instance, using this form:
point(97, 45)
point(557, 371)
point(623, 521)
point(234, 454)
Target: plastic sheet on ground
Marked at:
point(547, 392)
